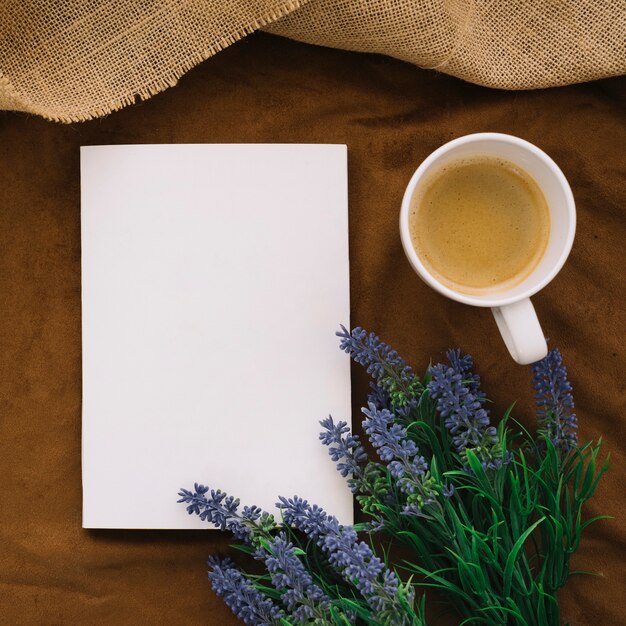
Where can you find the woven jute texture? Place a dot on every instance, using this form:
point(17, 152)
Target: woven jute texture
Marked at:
point(72, 60)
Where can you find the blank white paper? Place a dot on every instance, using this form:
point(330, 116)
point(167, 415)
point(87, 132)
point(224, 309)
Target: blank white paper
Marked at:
point(214, 278)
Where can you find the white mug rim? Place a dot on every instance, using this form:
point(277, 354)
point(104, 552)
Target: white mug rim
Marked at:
point(483, 301)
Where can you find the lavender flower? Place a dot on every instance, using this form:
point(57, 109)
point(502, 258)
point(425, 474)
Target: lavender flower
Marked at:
point(459, 401)
point(368, 350)
point(245, 601)
point(382, 400)
point(379, 397)
point(402, 454)
point(555, 402)
point(352, 558)
point(301, 595)
point(448, 490)
point(303, 599)
point(383, 363)
point(463, 365)
point(365, 478)
point(345, 449)
point(221, 510)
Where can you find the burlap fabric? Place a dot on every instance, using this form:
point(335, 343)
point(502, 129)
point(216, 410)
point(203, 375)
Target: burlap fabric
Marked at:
point(71, 60)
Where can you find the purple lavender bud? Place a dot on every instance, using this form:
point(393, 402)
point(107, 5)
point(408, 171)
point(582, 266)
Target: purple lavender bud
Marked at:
point(244, 600)
point(376, 356)
point(402, 455)
point(555, 402)
point(221, 510)
point(448, 490)
point(459, 399)
point(345, 449)
point(463, 365)
point(352, 558)
point(303, 598)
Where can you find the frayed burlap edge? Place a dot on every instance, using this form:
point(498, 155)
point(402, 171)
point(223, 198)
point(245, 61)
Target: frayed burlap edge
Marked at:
point(11, 99)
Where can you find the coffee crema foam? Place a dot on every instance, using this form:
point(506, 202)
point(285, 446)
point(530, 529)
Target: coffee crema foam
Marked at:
point(480, 224)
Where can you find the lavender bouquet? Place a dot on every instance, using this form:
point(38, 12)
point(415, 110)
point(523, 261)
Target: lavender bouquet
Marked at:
point(489, 515)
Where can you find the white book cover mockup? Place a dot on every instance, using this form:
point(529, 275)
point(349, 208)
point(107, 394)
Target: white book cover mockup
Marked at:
point(214, 278)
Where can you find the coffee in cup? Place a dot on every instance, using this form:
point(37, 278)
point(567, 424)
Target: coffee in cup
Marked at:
point(480, 224)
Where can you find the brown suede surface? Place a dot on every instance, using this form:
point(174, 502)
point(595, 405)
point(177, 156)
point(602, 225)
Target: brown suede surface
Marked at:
point(391, 116)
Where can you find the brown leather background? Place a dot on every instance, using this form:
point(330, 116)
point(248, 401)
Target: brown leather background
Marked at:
point(391, 115)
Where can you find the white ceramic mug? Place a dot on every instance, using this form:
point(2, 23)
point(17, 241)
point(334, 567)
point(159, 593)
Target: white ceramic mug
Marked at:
point(512, 309)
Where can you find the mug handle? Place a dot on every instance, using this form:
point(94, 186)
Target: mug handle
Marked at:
point(520, 329)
